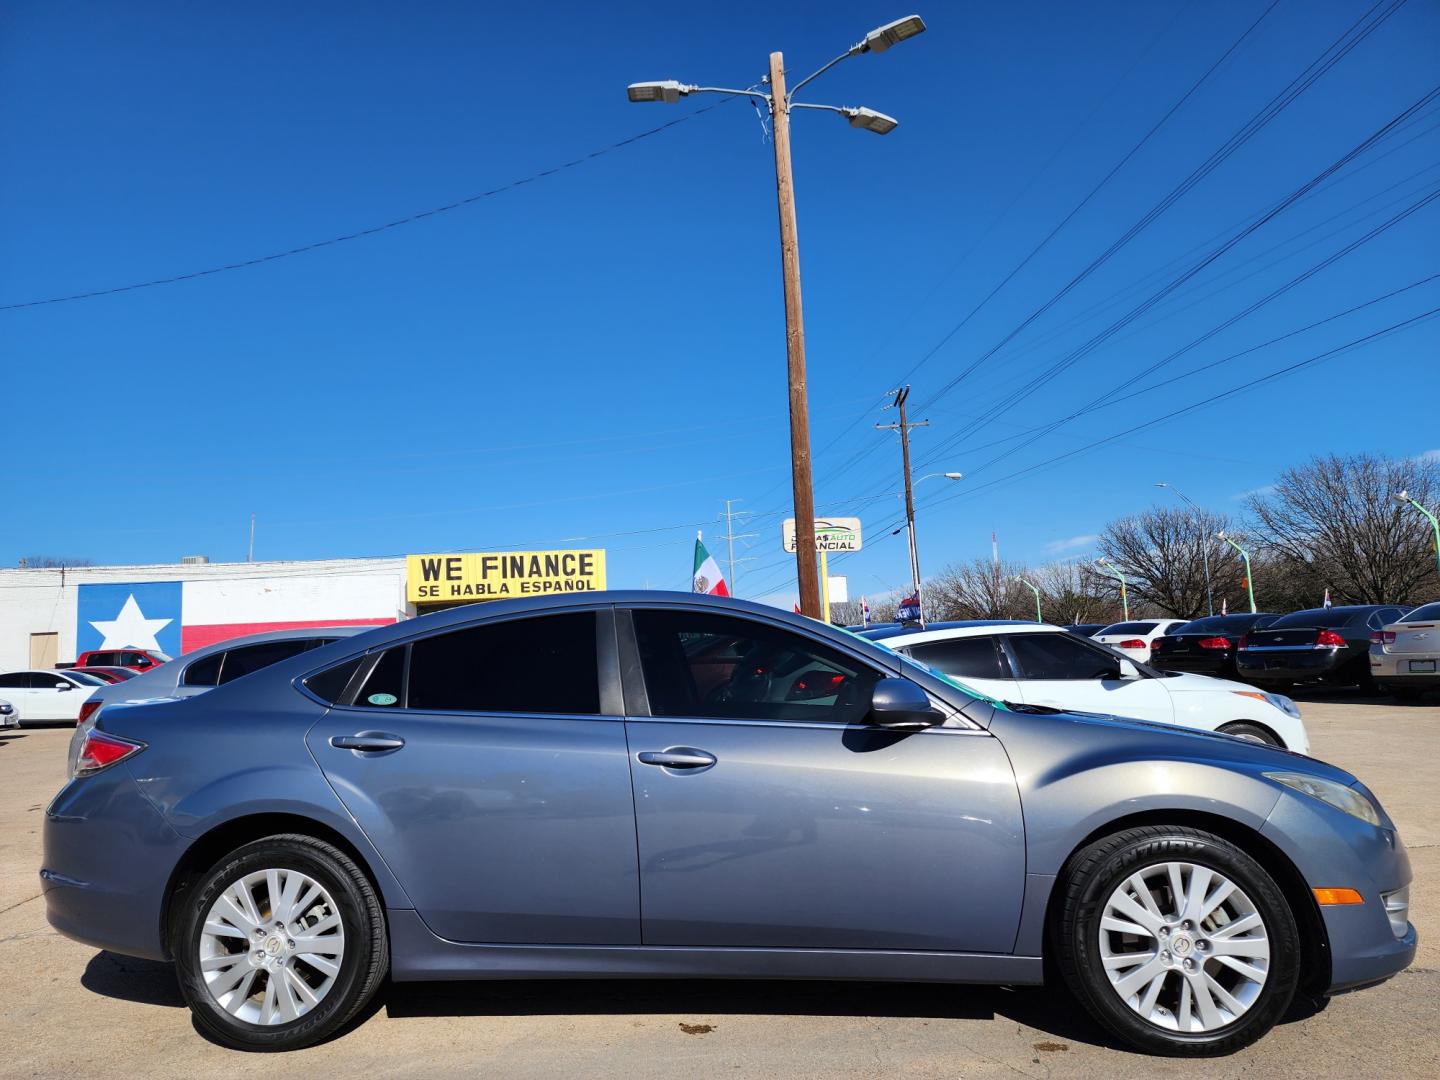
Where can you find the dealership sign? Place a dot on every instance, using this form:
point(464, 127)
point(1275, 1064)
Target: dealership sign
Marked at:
point(831, 534)
point(435, 579)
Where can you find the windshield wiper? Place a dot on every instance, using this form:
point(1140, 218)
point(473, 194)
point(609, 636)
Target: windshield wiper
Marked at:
point(1016, 706)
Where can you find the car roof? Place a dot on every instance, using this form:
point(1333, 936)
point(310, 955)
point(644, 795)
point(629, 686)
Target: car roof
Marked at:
point(972, 628)
point(882, 633)
point(292, 634)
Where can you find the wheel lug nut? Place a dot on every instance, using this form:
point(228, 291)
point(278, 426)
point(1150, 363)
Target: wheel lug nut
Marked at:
point(289, 944)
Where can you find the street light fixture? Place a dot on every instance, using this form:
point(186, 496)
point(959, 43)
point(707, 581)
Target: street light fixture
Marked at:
point(1249, 581)
point(1124, 594)
point(780, 103)
point(1204, 547)
point(1038, 616)
point(1404, 497)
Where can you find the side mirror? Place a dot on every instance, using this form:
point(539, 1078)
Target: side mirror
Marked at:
point(901, 705)
point(142, 663)
point(64, 686)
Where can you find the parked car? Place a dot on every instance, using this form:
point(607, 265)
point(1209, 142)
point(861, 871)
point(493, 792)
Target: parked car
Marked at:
point(1038, 664)
point(1085, 629)
point(9, 718)
point(47, 694)
point(107, 674)
point(541, 788)
point(1405, 655)
point(1135, 637)
point(139, 659)
point(214, 665)
point(1206, 646)
point(1330, 645)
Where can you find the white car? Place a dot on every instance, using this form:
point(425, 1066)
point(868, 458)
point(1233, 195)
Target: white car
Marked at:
point(1135, 637)
point(43, 694)
point(9, 716)
point(1405, 655)
point(1036, 664)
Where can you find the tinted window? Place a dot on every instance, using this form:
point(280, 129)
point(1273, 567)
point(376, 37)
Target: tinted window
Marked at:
point(329, 684)
point(129, 658)
point(540, 665)
point(248, 658)
point(697, 664)
point(1424, 614)
point(103, 659)
point(1315, 617)
point(1127, 628)
point(975, 657)
point(1221, 624)
point(203, 672)
point(15, 680)
point(384, 687)
point(85, 679)
point(1058, 656)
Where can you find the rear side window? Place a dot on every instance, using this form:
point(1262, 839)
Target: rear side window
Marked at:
point(1127, 628)
point(204, 672)
point(545, 664)
point(248, 658)
point(1058, 656)
point(103, 659)
point(972, 657)
point(1427, 613)
point(329, 684)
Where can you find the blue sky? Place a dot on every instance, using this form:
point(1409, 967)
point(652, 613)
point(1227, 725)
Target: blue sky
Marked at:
point(600, 353)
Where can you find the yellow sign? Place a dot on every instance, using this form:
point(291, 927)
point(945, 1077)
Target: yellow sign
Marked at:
point(438, 579)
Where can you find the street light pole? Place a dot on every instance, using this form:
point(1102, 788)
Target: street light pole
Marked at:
point(1124, 595)
point(1249, 581)
point(1404, 497)
point(1204, 546)
point(780, 103)
point(1038, 616)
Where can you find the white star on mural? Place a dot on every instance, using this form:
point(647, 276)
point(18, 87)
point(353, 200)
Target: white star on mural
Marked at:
point(130, 629)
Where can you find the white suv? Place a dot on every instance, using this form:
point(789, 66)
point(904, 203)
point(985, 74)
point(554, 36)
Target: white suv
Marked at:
point(1036, 664)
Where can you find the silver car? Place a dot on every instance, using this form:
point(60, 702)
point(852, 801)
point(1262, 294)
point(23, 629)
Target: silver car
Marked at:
point(1405, 655)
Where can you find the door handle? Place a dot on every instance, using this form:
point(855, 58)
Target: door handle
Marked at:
point(371, 741)
point(677, 757)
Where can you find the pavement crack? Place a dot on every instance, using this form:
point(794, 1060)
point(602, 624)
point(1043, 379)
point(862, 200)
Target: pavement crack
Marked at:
point(22, 903)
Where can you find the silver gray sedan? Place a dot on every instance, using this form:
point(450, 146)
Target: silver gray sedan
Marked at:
point(1405, 655)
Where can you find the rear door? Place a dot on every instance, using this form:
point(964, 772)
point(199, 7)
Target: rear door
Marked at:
point(488, 766)
point(770, 815)
point(1066, 672)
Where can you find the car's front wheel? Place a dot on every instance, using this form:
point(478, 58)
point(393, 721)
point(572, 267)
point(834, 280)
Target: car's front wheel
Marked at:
point(1243, 729)
point(1177, 941)
point(280, 944)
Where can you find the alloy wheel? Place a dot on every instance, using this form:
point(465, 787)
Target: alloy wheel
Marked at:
point(1184, 947)
point(271, 946)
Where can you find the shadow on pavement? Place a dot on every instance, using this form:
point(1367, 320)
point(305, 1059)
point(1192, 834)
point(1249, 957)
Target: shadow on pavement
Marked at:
point(146, 982)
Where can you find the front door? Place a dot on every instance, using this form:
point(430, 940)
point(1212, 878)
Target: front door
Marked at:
point(1066, 672)
point(770, 815)
point(482, 767)
point(978, 662)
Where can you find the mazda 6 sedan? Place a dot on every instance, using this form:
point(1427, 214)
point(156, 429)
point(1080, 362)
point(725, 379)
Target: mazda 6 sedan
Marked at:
point(669, 785)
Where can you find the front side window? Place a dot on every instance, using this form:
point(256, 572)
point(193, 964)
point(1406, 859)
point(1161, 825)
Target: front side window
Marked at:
point(1058, 656)
point(970, 657)
point(546, 664)
point(701, 665)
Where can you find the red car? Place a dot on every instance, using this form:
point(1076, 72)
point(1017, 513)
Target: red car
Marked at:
point(135, 659)
point(109, 674)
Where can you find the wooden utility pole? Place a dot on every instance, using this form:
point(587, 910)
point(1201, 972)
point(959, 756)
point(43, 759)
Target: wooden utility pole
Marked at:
point(805, 573)
point(904, 426)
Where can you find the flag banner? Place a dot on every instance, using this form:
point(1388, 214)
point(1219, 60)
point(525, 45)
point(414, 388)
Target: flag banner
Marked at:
point(865, 613)
point(909, 609)
point(1327, 598)
point(708, 578)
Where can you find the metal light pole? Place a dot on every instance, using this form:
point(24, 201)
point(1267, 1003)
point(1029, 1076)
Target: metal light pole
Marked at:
point(1038, 616)
point(780, 103)
point(1404, 497)
point(1204, 547)
point(909, 525)
point(1249, 581)
point(1124, 595)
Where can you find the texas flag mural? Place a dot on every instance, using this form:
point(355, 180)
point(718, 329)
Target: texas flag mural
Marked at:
point(175, 617)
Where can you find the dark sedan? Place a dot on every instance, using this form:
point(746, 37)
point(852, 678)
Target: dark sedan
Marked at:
point(1206, 646)
point(1330, 645)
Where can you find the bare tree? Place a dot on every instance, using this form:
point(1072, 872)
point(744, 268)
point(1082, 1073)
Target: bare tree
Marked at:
point(1335, 523)
point(977, 590)
point(1072, 593)
point(51, 562)
point(1162, 553)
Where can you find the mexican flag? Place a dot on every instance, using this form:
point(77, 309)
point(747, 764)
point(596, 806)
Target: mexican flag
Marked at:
point(708, 578)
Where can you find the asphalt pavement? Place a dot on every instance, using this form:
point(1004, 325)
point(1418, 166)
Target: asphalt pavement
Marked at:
point(68, 1009)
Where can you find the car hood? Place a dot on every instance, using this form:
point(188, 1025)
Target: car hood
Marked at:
point(1185, 682)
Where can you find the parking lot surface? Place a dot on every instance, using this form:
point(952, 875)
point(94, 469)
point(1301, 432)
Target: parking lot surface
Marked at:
point(69, 1009)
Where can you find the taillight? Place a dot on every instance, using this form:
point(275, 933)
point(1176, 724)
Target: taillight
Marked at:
point(87, 710)
point(1244, 642)
point(1133, 643)
point(1214, 643)
point(1329, 638)
point(1383, 637)
point(101, 750)
point(1156, 645)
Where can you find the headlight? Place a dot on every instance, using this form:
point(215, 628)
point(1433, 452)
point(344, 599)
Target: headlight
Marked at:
point(1279, 701)
point(1345, 799)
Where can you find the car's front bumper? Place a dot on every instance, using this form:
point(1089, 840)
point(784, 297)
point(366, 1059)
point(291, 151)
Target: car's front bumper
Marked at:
point(1335, 851)
point(10, 719)
point(108, 857)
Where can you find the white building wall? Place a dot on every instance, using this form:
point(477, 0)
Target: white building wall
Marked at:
point(41, 601)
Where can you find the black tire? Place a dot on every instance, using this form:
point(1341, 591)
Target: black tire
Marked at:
point(1091, 877)
point(363, 965)
point(1406, 693)
point(1243, 729)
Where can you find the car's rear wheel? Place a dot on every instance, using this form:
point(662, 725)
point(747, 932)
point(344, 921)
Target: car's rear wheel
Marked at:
point(1243, 729)
point(280, 944)
point(1406, 693)
point(1177, 941)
